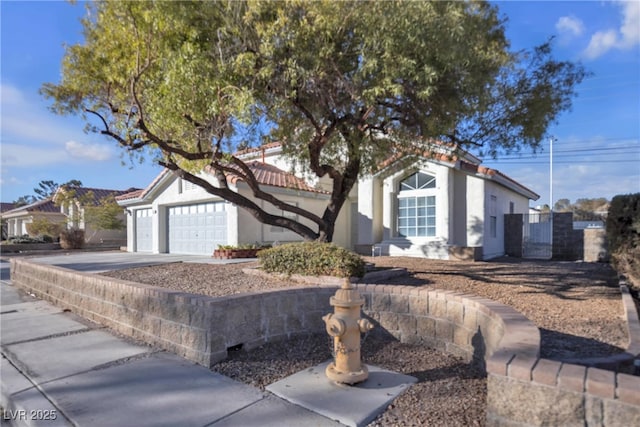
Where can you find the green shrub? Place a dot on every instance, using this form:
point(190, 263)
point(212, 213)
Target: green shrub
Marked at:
point(623, 233)
point(42, 226)
point(28, 239)
point(312, 259)
point(72, 239)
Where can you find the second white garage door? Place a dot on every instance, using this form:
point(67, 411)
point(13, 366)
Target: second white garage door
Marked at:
point(197, 229)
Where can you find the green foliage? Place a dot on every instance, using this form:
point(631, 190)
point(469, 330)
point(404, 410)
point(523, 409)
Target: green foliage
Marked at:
point(102, 214)
point(42, 226)
point(106, 215)
point(24, 200)
point(28, 239)
point(583, 209)
point(623, 233)
point(343, 85)
point(312, 259)
point(245, 246)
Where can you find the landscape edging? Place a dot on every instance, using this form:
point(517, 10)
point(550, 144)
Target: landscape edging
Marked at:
point(202, 329)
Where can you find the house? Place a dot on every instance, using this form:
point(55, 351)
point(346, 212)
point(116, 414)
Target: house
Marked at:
point(435, 206)
point(69, 215)
point(4, 207)
point(18, 218)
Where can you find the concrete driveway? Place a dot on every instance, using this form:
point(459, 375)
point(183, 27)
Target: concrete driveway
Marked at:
point(95, 262)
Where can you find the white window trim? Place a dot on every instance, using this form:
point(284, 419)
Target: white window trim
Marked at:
point(425, 192)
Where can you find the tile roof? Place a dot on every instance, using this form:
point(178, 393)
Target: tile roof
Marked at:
point(99, 193)
point(265, 174)
point(483, 170)
point(259, 149)
point(135, 193)
point(45, 205)
point(4, 207)
point(270, 175)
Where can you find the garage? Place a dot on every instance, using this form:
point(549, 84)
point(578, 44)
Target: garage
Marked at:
point(197, 229)
point(144, 226)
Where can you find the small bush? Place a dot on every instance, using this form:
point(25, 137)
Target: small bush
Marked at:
point(43, 227)
point(312, 259)
point(623, 233)
point(72, 239)
point(27, 239)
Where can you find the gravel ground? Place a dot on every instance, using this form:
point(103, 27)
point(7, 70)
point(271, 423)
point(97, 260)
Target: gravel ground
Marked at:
point(577, 307)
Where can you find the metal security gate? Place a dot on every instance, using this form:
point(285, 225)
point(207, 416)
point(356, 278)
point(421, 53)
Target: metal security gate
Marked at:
point(197, 229)
point(537, 240)
point(144, 227)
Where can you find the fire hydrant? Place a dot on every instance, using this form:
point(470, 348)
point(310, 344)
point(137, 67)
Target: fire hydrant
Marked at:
point(345, 326)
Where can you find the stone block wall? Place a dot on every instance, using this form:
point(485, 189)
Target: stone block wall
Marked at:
point(196, 327)
point(513, 224)
point(567, 242)
point(523, 389)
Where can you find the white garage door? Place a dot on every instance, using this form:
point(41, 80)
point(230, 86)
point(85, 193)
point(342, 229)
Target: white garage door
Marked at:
point(143, 230)
point(197, 229)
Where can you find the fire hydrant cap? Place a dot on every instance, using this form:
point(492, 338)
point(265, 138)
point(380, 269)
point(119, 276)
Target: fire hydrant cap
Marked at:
point(346, 298)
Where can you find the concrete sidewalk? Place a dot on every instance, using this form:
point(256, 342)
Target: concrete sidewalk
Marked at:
point(60, 370)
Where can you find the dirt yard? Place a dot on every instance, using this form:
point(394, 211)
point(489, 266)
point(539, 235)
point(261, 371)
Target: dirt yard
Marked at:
point(577, 307)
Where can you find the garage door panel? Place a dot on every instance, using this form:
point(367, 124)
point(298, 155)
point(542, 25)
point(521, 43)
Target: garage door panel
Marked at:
point(197, 229)
point(144, 228)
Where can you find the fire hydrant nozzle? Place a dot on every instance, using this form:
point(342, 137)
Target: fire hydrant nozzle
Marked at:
point(335, 326)
point(345, 326)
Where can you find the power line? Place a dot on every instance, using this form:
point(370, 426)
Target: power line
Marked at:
point(570, 153)
point(573, 162)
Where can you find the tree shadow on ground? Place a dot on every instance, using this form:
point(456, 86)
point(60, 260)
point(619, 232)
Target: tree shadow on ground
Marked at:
point(559, 346)
point(565, 280)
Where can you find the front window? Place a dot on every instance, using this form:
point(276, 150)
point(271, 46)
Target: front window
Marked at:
point(417, 206)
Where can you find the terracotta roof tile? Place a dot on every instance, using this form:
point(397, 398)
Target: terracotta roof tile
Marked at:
point(4, 207)
point(130, 195)
point(258, 149)
point(45, 205)
point(267, 174)
point(99, 193)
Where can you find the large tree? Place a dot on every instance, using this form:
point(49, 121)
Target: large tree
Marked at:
point(342, 85)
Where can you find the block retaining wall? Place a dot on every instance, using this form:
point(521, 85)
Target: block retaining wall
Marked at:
point(523, 389)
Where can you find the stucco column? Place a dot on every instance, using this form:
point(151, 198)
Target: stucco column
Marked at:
point(388, 209)
point(365, 211)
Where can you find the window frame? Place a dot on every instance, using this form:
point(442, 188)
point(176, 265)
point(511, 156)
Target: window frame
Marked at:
point(407, 192)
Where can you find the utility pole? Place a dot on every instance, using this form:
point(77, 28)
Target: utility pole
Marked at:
point(551, 193)
point(551, 174)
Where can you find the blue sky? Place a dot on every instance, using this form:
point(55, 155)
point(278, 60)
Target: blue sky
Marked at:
point(596, 146)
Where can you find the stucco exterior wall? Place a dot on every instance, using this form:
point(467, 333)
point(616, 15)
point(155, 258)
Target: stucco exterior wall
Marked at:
point(242, 227)
point(494, 244)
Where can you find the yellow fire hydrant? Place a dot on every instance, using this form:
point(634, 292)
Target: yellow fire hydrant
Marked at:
point(345, 326)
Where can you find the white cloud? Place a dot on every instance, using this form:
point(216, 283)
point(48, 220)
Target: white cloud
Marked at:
point(26, 120)
point(19, 156)
point(570, 25)
point(623, 38)
point(95, 152)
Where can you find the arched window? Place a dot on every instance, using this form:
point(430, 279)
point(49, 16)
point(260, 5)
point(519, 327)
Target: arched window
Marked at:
point(417, 206)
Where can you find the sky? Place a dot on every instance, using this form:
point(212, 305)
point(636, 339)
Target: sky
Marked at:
point(596, 145)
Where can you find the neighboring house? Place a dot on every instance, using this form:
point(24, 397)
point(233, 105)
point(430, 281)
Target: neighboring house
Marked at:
point(18, 218)
point(429, 206)
point(4, 207)
point(71, 214)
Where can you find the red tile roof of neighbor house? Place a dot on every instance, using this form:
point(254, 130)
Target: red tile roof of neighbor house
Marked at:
point(45, 205)
point(4, 207)
point(98, 193)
